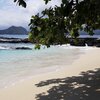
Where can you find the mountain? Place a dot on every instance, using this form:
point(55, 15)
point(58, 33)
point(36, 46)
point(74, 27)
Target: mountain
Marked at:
point(13, 30)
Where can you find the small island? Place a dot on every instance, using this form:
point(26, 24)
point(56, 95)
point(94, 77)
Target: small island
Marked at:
point(14, 30)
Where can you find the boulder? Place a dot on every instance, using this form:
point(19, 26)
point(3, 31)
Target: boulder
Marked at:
point(23, 48)
point(90, 41)
point(97, 43)
point(79, 42)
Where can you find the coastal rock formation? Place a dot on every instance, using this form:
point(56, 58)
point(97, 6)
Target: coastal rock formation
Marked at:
point(13, 40)
point(71, 41)
point(79, 42)
point(98, 43)
point(91, 41)
point(13, 30)
point(84, 41)
point(23, 48)
point(15, 48)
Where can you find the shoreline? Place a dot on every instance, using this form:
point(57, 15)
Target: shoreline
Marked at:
point(49, 68)
point(27, 90)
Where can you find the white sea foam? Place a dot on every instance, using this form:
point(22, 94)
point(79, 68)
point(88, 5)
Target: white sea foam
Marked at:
point(4, 47)
point(83, 48)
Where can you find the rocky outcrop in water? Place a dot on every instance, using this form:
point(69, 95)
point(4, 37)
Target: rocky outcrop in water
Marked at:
point(98, 43)
point(79, 42)
point(84, 42)
point(91, 41)
point(23, 48)
point(13, 40)
point(14, 48)
point(71, 41)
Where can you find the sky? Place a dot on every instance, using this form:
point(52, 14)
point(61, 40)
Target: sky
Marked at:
point(12, 14)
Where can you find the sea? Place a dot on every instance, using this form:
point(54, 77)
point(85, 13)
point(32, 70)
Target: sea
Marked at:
point(19, 65)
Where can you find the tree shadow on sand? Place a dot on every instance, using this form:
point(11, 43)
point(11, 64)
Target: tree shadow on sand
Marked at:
point(86, 86)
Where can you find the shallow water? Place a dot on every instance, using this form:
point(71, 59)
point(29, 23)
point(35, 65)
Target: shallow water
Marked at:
point(17, 65)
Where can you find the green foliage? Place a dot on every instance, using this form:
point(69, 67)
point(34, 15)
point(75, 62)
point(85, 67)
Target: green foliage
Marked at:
point(37, 46)
point(46, 1)
point(21, 2)
point(51, 27)
point(31, 37)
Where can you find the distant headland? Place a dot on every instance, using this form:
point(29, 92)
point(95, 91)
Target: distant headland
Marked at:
point(14, 30)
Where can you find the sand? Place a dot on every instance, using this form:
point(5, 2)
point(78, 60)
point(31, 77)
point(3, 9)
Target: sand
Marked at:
point(27, 90)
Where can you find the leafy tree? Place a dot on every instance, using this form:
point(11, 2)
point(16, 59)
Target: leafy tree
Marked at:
point(67, 19)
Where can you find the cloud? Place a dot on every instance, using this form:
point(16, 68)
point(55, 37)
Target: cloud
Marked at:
point(12, 14)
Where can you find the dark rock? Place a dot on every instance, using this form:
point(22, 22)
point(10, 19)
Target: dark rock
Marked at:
point(97, 43)
point(90, 41)
point(25, 40)
point(13, 40)
point(79, 42)
point(23, 48)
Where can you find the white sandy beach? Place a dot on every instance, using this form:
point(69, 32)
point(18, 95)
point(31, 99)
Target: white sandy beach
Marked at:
point(27, 90)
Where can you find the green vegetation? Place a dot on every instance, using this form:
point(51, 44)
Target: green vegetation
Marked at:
point(21, 2)
point(71, 16)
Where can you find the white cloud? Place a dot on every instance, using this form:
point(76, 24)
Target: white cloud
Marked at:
point(12, 14)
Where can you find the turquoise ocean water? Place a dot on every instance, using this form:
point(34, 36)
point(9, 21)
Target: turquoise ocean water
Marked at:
point(19, 65)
